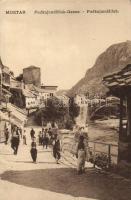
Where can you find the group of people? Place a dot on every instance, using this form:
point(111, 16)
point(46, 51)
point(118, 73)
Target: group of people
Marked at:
point(46, 137)
point(50, 137)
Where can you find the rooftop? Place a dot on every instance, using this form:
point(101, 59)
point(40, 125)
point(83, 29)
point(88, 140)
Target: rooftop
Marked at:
point(120, 81)
point(49, 86)
point(31, 67)
point(122, 78)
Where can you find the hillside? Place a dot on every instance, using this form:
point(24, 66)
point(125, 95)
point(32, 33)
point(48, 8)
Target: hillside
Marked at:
point(112, 60)
point(61, 92)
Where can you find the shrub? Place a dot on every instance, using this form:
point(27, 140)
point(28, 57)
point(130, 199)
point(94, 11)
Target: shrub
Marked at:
point(101, 160)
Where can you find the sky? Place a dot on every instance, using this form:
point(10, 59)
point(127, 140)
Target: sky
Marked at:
point(64, 46)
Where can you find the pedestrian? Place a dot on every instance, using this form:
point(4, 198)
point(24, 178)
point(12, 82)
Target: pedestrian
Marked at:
point(33, 150)
point(53, 124)
point(40, 136)
point(6, 135)
point(81, 155)
point(56, 149)
point(50, 136)
point(32, 133)
point(45, 139)
point(50, 132)
point(15, 140)
point(20, 131)
point(24, 138)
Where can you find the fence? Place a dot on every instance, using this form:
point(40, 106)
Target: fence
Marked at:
point(95, 148)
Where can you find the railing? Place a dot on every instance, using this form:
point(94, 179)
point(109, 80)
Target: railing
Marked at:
point(110, 150)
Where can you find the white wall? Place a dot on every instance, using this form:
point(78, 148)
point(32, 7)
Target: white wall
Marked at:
point(31, 102)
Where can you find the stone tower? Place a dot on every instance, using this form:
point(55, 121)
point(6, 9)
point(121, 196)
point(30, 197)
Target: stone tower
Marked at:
point(32, 75)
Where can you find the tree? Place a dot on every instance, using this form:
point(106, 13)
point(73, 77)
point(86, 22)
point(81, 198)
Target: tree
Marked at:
point(20, 77)
point(74, 109)
point(53, 111)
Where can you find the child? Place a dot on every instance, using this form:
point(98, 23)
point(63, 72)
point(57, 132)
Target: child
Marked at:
point(33, 150)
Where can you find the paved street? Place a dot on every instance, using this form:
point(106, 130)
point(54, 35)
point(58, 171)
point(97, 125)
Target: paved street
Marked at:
point(21, 179)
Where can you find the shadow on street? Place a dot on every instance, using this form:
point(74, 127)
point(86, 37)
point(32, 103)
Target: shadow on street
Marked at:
point(66, 181)
point(40, 162)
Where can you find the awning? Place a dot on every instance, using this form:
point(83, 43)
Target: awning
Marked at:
point(5, 117)
point(17, 115)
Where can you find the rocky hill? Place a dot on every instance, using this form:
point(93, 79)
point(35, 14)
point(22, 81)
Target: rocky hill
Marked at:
point(112, 60)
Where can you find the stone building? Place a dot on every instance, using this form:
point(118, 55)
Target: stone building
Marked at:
point(47, 91)
point(4, 83)
point(32, 75)
point(81, 100)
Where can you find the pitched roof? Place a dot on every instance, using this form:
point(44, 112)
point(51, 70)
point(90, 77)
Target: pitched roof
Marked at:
point(120, 79)
point(28, 93)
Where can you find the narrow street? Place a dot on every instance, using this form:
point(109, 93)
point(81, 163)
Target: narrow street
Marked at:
point(24, 180)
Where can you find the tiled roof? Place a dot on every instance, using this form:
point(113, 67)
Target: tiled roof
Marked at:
point(27, 93)
point(119, 79)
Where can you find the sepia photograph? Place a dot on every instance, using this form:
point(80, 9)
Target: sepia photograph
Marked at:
point(65, 99)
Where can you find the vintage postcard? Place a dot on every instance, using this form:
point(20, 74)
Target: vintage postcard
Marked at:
point(65, 93)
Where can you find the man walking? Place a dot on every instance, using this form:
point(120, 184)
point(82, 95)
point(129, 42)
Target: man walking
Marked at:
point(56, 149)
point(33, 150)
point(45, 139)
point(15, 140)
point(32, 133)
